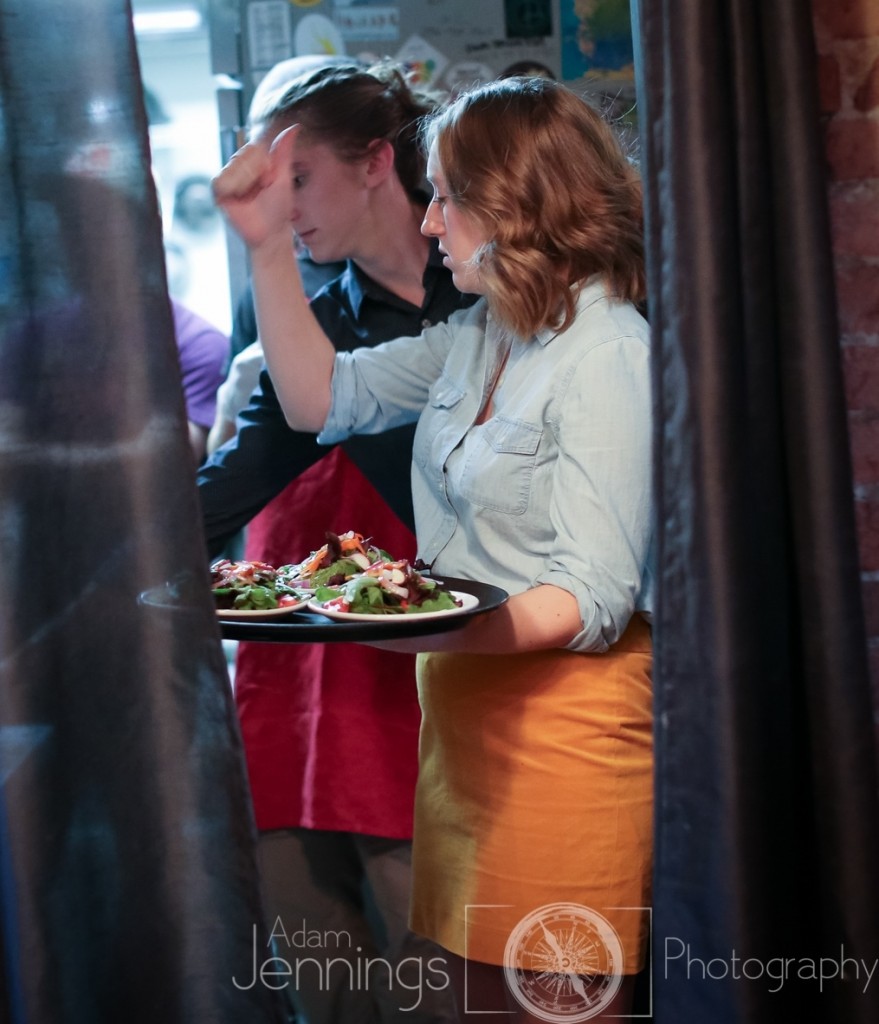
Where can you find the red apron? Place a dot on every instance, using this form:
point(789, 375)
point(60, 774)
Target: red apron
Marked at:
point(330, 730)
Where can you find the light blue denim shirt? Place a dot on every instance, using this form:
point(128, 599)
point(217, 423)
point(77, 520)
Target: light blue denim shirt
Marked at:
point(555, 487)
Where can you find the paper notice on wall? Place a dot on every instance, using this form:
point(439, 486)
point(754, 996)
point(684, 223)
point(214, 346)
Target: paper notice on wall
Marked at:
point(467, 73)
point(268, 32)
point(424, 63)
point(317, 34)
point(372, 22)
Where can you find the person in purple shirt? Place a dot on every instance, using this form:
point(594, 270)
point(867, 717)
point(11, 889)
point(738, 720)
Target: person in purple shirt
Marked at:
point(204, 351)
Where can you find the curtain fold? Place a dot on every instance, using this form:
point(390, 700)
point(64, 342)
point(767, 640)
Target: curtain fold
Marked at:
point(127, 867)
point(767, 838)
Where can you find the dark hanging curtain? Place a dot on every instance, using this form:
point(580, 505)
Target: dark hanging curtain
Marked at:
point(127, 869)
point(766, 903)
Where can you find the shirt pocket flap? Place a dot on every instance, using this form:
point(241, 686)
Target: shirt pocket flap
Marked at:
point(445, 393)
point(513, 436)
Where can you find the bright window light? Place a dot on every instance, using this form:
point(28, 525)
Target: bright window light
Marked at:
point(178, 19)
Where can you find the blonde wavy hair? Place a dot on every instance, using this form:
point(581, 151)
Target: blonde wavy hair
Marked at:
point(548, 182)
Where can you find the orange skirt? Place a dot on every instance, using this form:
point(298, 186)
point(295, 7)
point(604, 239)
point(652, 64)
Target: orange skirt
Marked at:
point(535, 789)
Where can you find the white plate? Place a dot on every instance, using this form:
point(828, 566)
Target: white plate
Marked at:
point(259, 613)
point(468, 603)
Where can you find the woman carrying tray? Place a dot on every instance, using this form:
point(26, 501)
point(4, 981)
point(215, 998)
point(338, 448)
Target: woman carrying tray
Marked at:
point(531, 470)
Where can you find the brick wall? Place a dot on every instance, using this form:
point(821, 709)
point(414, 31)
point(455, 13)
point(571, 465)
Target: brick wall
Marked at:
point(847, 37)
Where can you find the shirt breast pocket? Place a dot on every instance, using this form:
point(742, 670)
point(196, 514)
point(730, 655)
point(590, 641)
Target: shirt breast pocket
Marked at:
point(444, 398)
point(500, 465)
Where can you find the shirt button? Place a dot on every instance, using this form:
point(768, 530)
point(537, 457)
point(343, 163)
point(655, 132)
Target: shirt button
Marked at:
point(426, 323)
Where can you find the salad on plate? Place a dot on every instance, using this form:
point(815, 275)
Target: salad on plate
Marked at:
point(343, 557)
point(386, 587)
point(348, 575)
point(251, 586)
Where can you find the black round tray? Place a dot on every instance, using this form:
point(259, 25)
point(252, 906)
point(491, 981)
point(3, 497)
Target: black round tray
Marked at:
point(302, 627)
point(312, 627)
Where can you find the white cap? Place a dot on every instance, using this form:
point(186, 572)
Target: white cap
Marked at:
point(277, 78)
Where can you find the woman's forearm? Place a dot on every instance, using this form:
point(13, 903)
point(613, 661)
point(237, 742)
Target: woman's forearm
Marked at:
point(254, 191)
point(298, 353)
point(541, 618)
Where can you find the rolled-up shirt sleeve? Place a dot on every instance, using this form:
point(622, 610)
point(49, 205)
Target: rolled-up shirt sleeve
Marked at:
point(600, 507)
point(374, 389)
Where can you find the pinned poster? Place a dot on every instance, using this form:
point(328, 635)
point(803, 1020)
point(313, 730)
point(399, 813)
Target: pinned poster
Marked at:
point(467, 73)
point(527, 19)
point(268, 32)
point(373, 21)
point(317, 34)
point(597, 40)
point(423, 63)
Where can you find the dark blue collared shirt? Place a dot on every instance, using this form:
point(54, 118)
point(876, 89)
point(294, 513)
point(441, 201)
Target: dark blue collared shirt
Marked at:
point(265, 455)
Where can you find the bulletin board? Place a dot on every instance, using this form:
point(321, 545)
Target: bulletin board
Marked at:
point(445, 44)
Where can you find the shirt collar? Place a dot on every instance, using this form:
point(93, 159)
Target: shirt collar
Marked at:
point(360, 285)
point(591, 291)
